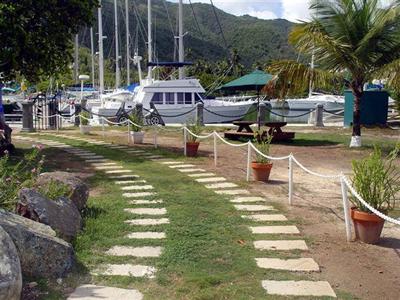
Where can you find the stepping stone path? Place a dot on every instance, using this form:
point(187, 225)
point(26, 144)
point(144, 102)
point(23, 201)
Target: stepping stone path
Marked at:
point(127, 182)
point(240, 197)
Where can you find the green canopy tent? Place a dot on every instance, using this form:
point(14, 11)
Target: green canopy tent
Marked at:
point(254, 81)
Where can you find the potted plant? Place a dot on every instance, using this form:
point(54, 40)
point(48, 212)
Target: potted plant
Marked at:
point(377, 181)
point(84, 122)
point(136, 132)
point(262, 165)
point(192, 145)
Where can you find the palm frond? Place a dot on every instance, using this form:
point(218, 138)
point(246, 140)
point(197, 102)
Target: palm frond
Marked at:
point(292, 77)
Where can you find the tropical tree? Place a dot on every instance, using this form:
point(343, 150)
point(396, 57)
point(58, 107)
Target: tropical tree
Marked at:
point(354, 41)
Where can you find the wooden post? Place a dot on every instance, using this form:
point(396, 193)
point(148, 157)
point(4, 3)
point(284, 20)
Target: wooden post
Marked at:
point(215, 149)
point(290, 179)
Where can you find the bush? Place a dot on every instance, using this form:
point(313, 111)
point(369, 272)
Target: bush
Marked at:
point(194, 127)
point(55, 189)
point(377, 180)
point(17, 176)
point(84, 117)
point(137, 122)
point(263, 144)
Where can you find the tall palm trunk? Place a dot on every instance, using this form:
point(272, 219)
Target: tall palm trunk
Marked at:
point(357, 89)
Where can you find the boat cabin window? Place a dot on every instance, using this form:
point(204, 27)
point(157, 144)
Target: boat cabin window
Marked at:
point(169, 98)
point(179, 97)
point(157, 98)
point(188, 98)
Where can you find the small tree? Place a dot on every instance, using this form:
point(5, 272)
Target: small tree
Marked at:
point(360, 38)
point(36, 36)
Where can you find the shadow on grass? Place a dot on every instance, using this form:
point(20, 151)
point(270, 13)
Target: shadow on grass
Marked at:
point(391, 243)
point(309, 143)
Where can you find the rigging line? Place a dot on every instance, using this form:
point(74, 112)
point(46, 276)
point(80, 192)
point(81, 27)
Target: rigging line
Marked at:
point(142, 28)
point(195, 19)
point(219, 25)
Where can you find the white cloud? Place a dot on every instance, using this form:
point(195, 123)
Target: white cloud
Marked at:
point(295, 10)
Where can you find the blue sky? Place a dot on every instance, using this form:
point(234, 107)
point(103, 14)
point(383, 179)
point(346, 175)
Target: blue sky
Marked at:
point(293, 10)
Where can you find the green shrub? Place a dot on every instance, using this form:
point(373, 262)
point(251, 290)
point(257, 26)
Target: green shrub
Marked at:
point(194, 127)
point(138, 122)
point(262, 142)
point(13, 177)
point(377, 180)
point(84, 116)
point(55, 189)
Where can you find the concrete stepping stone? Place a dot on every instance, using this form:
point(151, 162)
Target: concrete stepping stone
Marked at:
point(223, 185)
point(118, 147)
point(130, 182)
point(138, 195)
point(136, 202)
point(233, 192)
point(118, 171)
point(247, 199)
point(293, 265)
point(96, 160)
point(171, 162)
point(182, 166)
point(265, 218)
point(286, 229)
point(92, 156)
point(191, 170)
point(135, 151)
point(96, 292)
point(135, 251)
point(200, 175)
point(298, 288)
point(108, 167)
point(281, 245)
point(147, 211)
point(254, 207)
point(129, 176)
point(211, 179)
point(127, 270)
point(104, 164)
point(155, 157)
point(87, 154)
point(146, 235)
point(137, 187)
point(148, 222)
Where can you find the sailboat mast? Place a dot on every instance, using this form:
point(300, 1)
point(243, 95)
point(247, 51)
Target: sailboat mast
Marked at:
point(101, 53)
point(128, 67)
point(117, 73)
point(76, 59)
point(150, 38)
point(92, 54)
point(181, 46)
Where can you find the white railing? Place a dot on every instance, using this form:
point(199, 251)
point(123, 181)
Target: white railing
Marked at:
point(345, 182)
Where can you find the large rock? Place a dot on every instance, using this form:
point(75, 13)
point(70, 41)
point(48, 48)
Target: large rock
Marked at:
point(41, 253)
point(79, 189)
point(10, 269)
point(60, 214)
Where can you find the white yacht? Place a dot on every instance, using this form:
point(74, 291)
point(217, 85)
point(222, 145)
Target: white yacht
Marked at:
point(175, 102)
point(330, 102)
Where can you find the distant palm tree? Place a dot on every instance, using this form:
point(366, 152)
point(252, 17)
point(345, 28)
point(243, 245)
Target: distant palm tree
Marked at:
point(357, 38)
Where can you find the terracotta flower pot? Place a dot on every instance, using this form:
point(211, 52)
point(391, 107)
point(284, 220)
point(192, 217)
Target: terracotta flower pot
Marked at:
point(368, 226)
point(261, 171)
point(191, 148)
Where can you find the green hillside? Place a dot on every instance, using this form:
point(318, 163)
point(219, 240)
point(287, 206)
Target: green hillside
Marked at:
point(257, 41)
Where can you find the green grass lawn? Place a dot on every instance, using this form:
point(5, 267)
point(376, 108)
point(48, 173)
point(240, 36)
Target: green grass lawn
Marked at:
point(208, 253)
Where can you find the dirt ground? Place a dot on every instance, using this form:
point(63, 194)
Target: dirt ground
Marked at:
point(365, 271)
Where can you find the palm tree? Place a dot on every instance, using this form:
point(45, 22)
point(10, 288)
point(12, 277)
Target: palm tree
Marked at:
point(357, 38)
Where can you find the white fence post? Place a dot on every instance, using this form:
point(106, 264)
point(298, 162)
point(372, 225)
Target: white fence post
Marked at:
point(184, 140)
point(346, 208)
point(57, 122)
point(290, 179)
point(103, 128)
point(129, 131)
point(215, 149)
point(155, 137)
point(248, 161)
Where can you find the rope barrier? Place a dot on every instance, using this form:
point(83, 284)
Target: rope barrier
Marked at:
point(312, 172)
point(298, 116)
point(339, 114)
point(225, 116)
